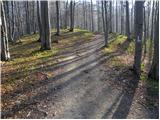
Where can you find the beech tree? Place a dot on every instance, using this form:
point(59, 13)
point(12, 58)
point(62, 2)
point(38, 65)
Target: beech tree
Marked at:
point(5, 55)
point(46, 35)
point(138, 40)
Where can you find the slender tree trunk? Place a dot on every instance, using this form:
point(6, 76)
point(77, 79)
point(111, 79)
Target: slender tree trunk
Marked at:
point(152, 33)
point(148, 19)
point(5, 55)
point(66, 15)
point(39, 21)
point(154, 71)
point(116, 17)
point(127, 21)
point(106, 23)
point(145, 34)
point(92, 16)
point(138, 41)
point(71, 16)
point(98, 17)
point(110, 25)
point(13, 22)
point(103, 19)
point(28, 18)
point(58, 18)
point(122, 24)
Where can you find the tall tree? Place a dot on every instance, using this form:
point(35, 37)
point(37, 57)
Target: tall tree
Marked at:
point(154, 70)
point(116, 17)
point(105, 21)
point(58, 18)
point(72, 5)
point(152, 33)
point(110, 9)
point(145, 32)
point(92, 16)
point(98, 16)
point(28, 24)
point(66, 15)
point(5, 55)
point(138, 41)
point(46, 35)
point(39, 21)
point(127, 21)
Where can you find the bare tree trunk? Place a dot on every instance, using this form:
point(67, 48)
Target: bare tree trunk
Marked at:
point(103, 19)
point(138, 42)
point(58, 18)
point(39, 21)
point(127, 21)
point(46, 35)
point(110, 25)
point(116, 17)
point(122, 24)
point(28, 18)
point(13, 22)
point(72, 5)
point(145, 33)
point(106, 24)
point(5, 55)
point(152, 32)
point(98, 17)
point(148, 19)
point(66, 15)
point(154, 71)
point(92, 16)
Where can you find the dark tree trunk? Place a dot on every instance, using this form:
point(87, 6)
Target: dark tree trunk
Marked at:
point(154, 71)
point(138, 41)
point(39, 21)
point(66, 16)
point(127, 21)
point(106, 24)
point(46, 35)
point(92, 16)
point(72, 16)
point(58, 18)
point(110, 25)
point(116, 17)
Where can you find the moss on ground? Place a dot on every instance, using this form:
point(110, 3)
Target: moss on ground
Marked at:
point(27, 58)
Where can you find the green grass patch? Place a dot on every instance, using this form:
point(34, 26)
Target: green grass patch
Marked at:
point(27, 58)
point(115, 44)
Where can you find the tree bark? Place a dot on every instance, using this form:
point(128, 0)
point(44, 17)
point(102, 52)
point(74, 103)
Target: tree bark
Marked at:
point(5, 55)
point(106, 24)
point(92, 16)
point(116, 17)
point(72, 16)
point(127, 21)
point(58, 18)
point(154, 71)
point(46, 35)
point(39, 21)
point(138, 41)
point(110, 25)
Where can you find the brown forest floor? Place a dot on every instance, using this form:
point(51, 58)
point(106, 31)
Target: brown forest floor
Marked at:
point(78, 78)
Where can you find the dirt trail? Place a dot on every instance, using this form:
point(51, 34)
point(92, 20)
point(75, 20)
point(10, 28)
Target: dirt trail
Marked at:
point(84, 87)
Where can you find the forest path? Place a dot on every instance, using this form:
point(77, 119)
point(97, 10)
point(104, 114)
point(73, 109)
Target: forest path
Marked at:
point(85, 86)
